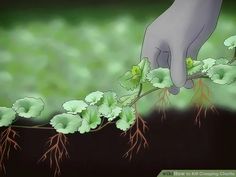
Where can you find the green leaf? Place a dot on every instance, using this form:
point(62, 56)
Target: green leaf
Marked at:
point(138, 74)
point(110, 99)
point(222, 61)
point(145, 67)
point(160, 78)
point(109, 108)
point(127, 118)
point(207, 64)
point(75, 106)
point(109, 112)
point(127, 99)
point(196, 67)
point(90, 119)
point(66, 123)
point(130, 81)
point(28, 107)
point(230, 42)
point(7, 115)
point(94, 97)
point(222, 74)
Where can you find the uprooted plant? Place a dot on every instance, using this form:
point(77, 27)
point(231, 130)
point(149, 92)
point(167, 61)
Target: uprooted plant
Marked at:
point(100, 109)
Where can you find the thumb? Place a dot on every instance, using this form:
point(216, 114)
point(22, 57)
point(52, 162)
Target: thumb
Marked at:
point(178, 67)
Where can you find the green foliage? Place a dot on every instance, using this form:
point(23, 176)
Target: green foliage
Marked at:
point(75, 106)
point(85, 116)
point(28, 107)
point(222, 61)
point(66, 123)
point(91, 118)
point(145, 68)
point(189, 63)
point(222, 74)
point(207, 64)
point(94, 97)
point(230, 42)
point(127, 99)
point(160, 78)
point(7, 115)
point(127, 118)
point(195, 67)
point(137, 75)
point(109, 107)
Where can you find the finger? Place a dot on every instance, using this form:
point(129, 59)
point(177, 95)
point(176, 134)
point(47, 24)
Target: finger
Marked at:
point(150, 51)
point(189, 84)
point(163, 59)
point(174, 90)
point(178, 67)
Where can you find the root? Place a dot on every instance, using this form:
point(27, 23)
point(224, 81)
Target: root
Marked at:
point(56, 152)
point(137, 139)
point(201, 100)
point(7, 142)
point(163, 102)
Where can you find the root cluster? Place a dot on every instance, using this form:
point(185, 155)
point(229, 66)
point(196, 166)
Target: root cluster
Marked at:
point(202, 102)
point(136, 136)
point(56, 152)
point(163, 102)
point(7, 142)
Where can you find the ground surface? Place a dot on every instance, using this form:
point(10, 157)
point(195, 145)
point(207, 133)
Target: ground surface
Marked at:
point(175, 143)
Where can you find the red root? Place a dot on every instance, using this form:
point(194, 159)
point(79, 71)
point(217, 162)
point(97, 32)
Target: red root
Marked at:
point(7, 142)
point(56, 152)
point(163, 102)
point(137, 139)
point(202, 101)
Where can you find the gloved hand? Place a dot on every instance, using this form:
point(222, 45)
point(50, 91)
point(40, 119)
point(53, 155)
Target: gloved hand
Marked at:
point(179, 33)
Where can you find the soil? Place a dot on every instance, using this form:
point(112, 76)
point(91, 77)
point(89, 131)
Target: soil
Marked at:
point(175, 143)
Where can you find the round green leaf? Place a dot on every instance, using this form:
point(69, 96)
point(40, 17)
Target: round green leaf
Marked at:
point(196, 67)
point(94, 97)
point(90, 119)
point(138, 74)
point(160, 78)
point(109, 112)
point(109, 108)
point(109, 99)
point(230, 42)
point(130, 81)
point(145, 68)
point(222, 61)
point(207, 64)
point(127, 118)
point(7, 115)
point(75, 106)
point(28, 107)
point(66, 123)
point(127, 99)
point(222, 74)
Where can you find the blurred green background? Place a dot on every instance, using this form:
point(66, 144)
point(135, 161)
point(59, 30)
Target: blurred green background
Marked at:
point(64, 53)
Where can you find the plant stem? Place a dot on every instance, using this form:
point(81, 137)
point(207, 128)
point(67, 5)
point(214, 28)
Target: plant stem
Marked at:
point(101, 127)
point(140, 90)
point(142, 95)
point(197, 76)
point(32, 127)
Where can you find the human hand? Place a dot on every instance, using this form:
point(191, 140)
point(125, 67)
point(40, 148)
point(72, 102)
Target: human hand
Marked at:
point(179, 33)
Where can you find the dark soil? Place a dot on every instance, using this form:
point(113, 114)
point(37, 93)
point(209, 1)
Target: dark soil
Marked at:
point(175, 143)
